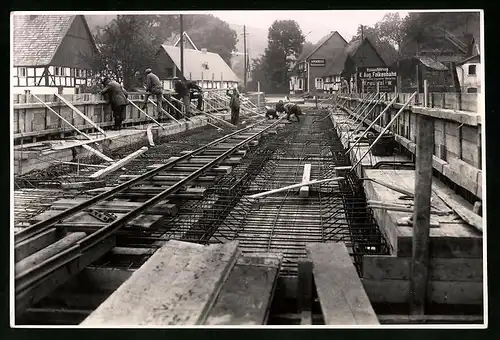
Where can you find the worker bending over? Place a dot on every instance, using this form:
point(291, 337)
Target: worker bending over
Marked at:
point(182, 94)
point(234, 104)
point(117, 98)
point(271, 113)
point(289, 109)
point(153, 87)
point(195, 92)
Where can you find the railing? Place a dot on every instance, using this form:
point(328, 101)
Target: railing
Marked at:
point(32, 118)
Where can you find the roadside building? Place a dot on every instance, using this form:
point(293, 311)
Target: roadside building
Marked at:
point(469, 74)
point(438, 76)
point(51, 53)
point(206, 69)
point(307, 74)
point(356, 54)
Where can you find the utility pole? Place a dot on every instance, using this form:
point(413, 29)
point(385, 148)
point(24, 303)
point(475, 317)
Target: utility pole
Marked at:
point(245, 56)
point(182, 45)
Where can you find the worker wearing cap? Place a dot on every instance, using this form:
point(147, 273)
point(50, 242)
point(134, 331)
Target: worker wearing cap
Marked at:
point(153, 87)
point(234, 104)
point(195, 92)
point(117, 98)
point(182, 94)
point(290, 109)
point(271, 113)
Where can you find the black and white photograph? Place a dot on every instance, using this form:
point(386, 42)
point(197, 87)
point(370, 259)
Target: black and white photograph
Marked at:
point(248, 169)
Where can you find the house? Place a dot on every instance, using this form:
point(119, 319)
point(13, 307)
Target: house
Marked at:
point(50, 53)
point(207, 69)
point(306, 75)
point(436, 73)
point(469, 75)
point(356, 54)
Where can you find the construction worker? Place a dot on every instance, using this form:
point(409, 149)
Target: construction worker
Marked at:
point(289, 108)
point(271, 113)
point(234, 104)
point(195, 92)
point(182, 94)
point(117, 98)
point(153, 87)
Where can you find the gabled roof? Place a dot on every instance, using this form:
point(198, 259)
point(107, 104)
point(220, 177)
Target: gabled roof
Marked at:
point(189, 40)
point(338, 63)
point(193, 64)
point(472, 59)
point(318, 45)
point(36, 38)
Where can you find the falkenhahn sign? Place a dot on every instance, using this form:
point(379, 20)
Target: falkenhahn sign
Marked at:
point(384, 76)
point(317, 62)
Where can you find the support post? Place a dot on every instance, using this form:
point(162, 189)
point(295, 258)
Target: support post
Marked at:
point(421, 215)
point(182, 44)
point(258, 96)
point(426, 94)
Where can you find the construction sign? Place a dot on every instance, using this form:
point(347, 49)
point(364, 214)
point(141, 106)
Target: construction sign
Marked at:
point(369, 77)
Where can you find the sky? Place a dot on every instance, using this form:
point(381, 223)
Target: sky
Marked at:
point(318, 23)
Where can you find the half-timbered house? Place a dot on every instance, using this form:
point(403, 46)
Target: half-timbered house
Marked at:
point(51, 53)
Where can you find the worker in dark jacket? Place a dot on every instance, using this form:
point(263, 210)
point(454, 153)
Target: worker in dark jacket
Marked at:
point(234, 104)
point(289, 109)
point(153, 87)
point(271, 113)
point(117, 98)
point(195, 92)
point(182, 94)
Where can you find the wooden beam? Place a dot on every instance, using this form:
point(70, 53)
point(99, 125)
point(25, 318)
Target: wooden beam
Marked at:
point(144, 113)
point(421, 215)
point(81, 114)
point(98, 153)
point(162, 110)
point(293, 186)
point(119, 164)
point(150, 136)
point(306, 177)
point(304, 294)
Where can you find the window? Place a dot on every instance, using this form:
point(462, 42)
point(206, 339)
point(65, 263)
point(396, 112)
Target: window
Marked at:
point(301, 84)
point(472, 70)
point(72, 72)
point(21, 72)
point(319, 83)
point(472, 90)
point(170, 72)
point(205, 65)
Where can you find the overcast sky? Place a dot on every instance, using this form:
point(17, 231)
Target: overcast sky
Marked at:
point(319, 23)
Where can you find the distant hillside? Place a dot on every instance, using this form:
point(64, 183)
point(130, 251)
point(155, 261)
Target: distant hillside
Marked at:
point(97, 21)
point(256, 40)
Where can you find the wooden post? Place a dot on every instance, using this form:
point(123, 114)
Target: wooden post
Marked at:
point(421, 214)
point(258, 95)
point(425, 93)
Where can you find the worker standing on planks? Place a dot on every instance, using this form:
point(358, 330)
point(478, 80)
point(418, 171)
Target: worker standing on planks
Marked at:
point(271, 113)
point(153, 87)
point(182, 94)
point(117, 98)
point(195, 92)
point(289, 108)
point(234, 104)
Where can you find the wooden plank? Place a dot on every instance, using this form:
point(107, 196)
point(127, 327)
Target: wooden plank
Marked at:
point(341, 294)
point(80, 114)
point(306, 177)
point(246, 296)
point(380, 267)
point(177, 285)
point(47, 252)
point(150, 136)
point(445, 292)
point(304, 292)
point(118, 164)
point(98, 153)
point(83, 185)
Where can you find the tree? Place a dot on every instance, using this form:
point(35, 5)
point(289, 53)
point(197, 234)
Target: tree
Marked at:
point(307, 48)
point(391, 29)
point(211, 33)
point(285, 40)
point(126, 45)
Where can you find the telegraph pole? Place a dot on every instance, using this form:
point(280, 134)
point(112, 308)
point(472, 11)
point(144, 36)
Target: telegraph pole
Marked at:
point(245, 56)
point(182, 45)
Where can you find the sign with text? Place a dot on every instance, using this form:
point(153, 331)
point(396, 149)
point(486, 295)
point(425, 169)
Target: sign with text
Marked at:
point(317, 62)
point(384, 76)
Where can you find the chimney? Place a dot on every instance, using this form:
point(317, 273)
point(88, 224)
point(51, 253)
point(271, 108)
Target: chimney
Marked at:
point(204, 50)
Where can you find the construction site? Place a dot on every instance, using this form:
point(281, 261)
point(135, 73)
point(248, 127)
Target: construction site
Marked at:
point(365, 211)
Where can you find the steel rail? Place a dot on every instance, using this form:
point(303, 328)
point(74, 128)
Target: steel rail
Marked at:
point(59, 260)
point(44, 225)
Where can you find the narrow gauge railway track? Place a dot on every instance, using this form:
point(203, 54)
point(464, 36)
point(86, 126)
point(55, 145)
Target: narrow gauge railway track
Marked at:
point(42, 266)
